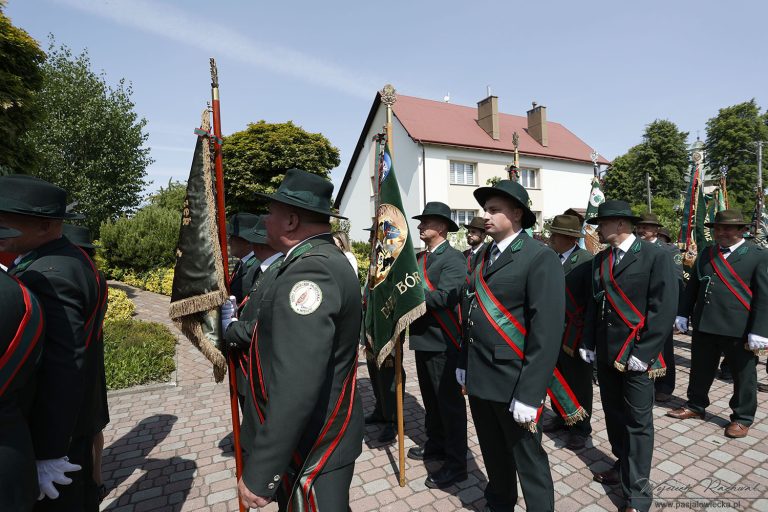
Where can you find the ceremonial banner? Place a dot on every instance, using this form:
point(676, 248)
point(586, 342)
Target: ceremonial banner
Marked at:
point(199, 286)
point(395, 292)
point(591, 241)
point(689, 210)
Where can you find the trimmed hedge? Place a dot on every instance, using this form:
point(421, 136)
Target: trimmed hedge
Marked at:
point(137, 352)
point(159, 280)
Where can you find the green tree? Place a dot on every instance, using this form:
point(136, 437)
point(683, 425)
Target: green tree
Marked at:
point(663, 154)
point(731, 137)
point(255, 160)
point(89, 140)
point(142, 242)
point(20, 79)
point(666, 209)
point(170, 197)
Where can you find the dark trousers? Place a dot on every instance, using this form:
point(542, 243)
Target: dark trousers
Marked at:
point(628, 405)
point(578, 375)
point(705, 355)
point(330, 492)
point(511, 452)
point(18, 475)
point(81, 494)
point(445, 418)
point(384, 391)
point(666, 384)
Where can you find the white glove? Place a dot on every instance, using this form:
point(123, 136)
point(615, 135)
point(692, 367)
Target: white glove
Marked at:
point(522, 413)
point(636, 365)
point(228, 313)
point(588, 356)
point(50, 471)
point(461, 376)
point(756, 342)
point(681, 324)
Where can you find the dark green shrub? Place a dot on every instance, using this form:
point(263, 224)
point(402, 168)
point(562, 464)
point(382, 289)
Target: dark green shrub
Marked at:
point(137, 352)
point(142, 242)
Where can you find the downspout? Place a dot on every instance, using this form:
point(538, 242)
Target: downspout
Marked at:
point(423, 176)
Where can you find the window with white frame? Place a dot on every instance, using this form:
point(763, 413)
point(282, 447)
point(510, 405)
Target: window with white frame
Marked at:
point(529, 178)
point(463, 216)
point(462, 173)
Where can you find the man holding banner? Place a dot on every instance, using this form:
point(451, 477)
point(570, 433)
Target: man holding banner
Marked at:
point(635, 297)
point(513, 311)
point(726, 296)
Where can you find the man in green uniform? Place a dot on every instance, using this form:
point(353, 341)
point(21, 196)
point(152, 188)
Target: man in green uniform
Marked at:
point(577, 264)
point(66, 283)
point(726, 297)
point(476, 241)
point(635, 297)
point(240, 234)
point(21, 328)
point(304, 360)
point(512, 311)
point(649, 229)
point(436, 338)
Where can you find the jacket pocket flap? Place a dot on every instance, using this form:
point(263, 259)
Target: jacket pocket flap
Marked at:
point(504, 353)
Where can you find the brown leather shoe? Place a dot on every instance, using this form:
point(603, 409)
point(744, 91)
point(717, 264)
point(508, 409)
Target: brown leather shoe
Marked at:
point(683, 413)
point(631, 509)
point(610, 477)
point(736, 430)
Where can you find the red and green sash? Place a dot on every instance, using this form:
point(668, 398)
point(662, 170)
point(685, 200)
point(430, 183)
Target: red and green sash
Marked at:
point(444, 316)
point(728, 275)
point(574, 323)
point(24, 341)
point(629, 314)
point(513, 332)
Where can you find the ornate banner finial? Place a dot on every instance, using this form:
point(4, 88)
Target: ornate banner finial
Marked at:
point(594, 156)
point(388, 95)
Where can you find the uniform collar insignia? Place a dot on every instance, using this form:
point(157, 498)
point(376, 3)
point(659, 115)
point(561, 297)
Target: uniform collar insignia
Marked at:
point(574, 257)
point(636, 246)
point(742, 250)
point(517, 244)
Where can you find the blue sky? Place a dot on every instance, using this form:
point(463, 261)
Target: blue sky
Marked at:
point(604, 69)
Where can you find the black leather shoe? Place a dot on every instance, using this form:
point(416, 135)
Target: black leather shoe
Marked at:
point(762, 387)
point(610, 477)
point(576, 441)
point(418, 453)
point(372, 419)
point(388, 434)
point(553, 425)
point(445, 478)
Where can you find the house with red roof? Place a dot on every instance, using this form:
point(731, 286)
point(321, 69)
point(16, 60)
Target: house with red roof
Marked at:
point(443, 152)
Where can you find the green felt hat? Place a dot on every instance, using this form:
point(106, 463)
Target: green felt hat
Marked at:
point(613, 209)
point(510, 189)
point(28, 195)
point(477, 223)
point(305, 190)
point(242, 224)
point(258, 235)
point(79, 236)
point(567, 225)
point(729, 217)
point(438, 209)
point(649, 218)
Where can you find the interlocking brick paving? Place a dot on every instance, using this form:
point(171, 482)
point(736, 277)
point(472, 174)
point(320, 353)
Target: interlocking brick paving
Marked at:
point(168, 448)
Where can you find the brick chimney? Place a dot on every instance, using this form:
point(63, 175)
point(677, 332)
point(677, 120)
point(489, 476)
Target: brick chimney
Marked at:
point(488, 116)
point(537, 124)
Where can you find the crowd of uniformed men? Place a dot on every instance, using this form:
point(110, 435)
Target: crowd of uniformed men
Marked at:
point(508, 322)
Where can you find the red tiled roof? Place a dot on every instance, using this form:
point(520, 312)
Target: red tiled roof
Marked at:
point(436, 122)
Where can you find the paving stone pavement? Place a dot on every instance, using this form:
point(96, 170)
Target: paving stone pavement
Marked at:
point(168, 448)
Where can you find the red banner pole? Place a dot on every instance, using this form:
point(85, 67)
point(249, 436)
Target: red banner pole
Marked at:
point(222, 223)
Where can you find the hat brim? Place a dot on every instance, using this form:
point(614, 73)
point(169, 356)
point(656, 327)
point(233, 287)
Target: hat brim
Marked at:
point(566, 232)
point(482, 194)
point(596, 220)
point(468, 226)
point(452, 226)
point(292, 202)
point(650, 223)
point(43, 215)
point(8, 233)
point(727, 223)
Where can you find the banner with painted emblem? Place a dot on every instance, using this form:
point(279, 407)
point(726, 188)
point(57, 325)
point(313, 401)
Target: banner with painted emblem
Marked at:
point(591, 240)
point(395, 296)
point(199, 286)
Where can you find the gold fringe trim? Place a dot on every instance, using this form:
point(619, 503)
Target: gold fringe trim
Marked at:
point(186, 313)
point(404, 322)
point(530, 426)
point(579, 415)
point(619, 366)
point(659, 372)
point(568, 350)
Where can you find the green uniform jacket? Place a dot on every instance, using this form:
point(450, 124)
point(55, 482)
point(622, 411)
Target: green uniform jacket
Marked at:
point(243, 278)
point(528, 281)
point(447, 271)
point(17, 460)
point(715, 309)
point(577, 269)
point(62, 277)
point(472, 259)
point(646, 275)
point(304, 358)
